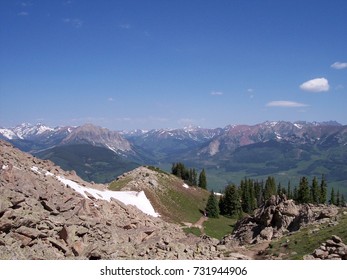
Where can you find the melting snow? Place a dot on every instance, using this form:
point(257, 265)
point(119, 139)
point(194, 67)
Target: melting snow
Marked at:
point(137, 199)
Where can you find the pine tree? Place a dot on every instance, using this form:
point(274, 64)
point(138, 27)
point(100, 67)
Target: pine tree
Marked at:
point(212, 208)
point(232, 205)
point(338, 202)
point(270, 188)
point(323, 191)
point(221, 205)
point(258, 193)
point(244, 194)
point(279, 189)
point(295, 193)
point(289, 191)
point(195, 178)
point(202, 179)
point(332, 197)
point(315, 191)
point(303, 191)
point(252, 198)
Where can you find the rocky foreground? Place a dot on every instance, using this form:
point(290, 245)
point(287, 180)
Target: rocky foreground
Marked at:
point(41, 218)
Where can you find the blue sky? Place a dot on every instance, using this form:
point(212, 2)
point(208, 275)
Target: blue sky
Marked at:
point(156, 64)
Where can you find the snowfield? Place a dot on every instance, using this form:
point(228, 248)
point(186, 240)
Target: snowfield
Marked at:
point(137, 199)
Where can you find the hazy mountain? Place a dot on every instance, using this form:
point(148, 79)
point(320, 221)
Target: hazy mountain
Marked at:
point(34, 138)
point(171, 144)
point(97, 136)
point(283, 149)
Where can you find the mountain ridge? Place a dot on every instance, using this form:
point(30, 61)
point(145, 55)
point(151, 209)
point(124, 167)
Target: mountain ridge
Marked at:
point(272, 148)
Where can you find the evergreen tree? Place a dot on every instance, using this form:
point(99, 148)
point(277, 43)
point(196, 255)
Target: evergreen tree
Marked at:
point(338, 203)
point(295, 193)
point(202, 179)
point(232, 205)
point(332, 197)
point(270, 188)
point(279, 189)
point(315, 194)
point(212, 208)
point(252, 198)
point(323, 191)
point(258, 193)
point(244, 194)
point(289, 191)
point(195, 178)
point(303, 191)
point(221, 205)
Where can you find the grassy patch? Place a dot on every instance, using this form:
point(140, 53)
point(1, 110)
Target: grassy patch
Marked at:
point(220, 227)
point(305, 241)
point(183, 205)
point(192, 230)
point(119, 184)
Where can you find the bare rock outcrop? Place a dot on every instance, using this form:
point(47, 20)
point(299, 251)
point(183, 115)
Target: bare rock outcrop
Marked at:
point(276, 217)
point(332, 249)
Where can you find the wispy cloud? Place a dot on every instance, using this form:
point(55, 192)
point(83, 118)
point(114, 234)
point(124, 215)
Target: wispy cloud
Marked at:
point(216, 93)
point(125, 26)
point(315, 85)
point(23, 14)
point(110, 99)
point(339, 65)
point(285, 104)
point(75, 22)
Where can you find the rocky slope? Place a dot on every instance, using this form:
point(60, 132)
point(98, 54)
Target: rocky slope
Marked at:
point(332, 249)
point(41, 218)
point(279, 216)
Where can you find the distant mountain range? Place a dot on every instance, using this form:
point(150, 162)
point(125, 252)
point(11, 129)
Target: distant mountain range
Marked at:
point(280, 148)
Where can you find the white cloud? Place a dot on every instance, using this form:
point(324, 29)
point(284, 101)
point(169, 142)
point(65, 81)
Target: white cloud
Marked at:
point(216, 93)
point(339, 65)
point(286, 104)
point(316, 85)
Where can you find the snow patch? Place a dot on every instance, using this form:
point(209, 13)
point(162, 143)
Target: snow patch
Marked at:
point(35, 169)
point(298, 125)
point(137, 199)
point(185, 186)
point(9, 134)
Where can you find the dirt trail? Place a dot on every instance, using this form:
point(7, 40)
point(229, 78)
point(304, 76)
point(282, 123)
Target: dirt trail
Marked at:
point(198, 224)
point(253, 250)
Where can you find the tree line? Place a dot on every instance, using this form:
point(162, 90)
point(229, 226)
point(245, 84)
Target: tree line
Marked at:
point(251, 194)
point(189, 175)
